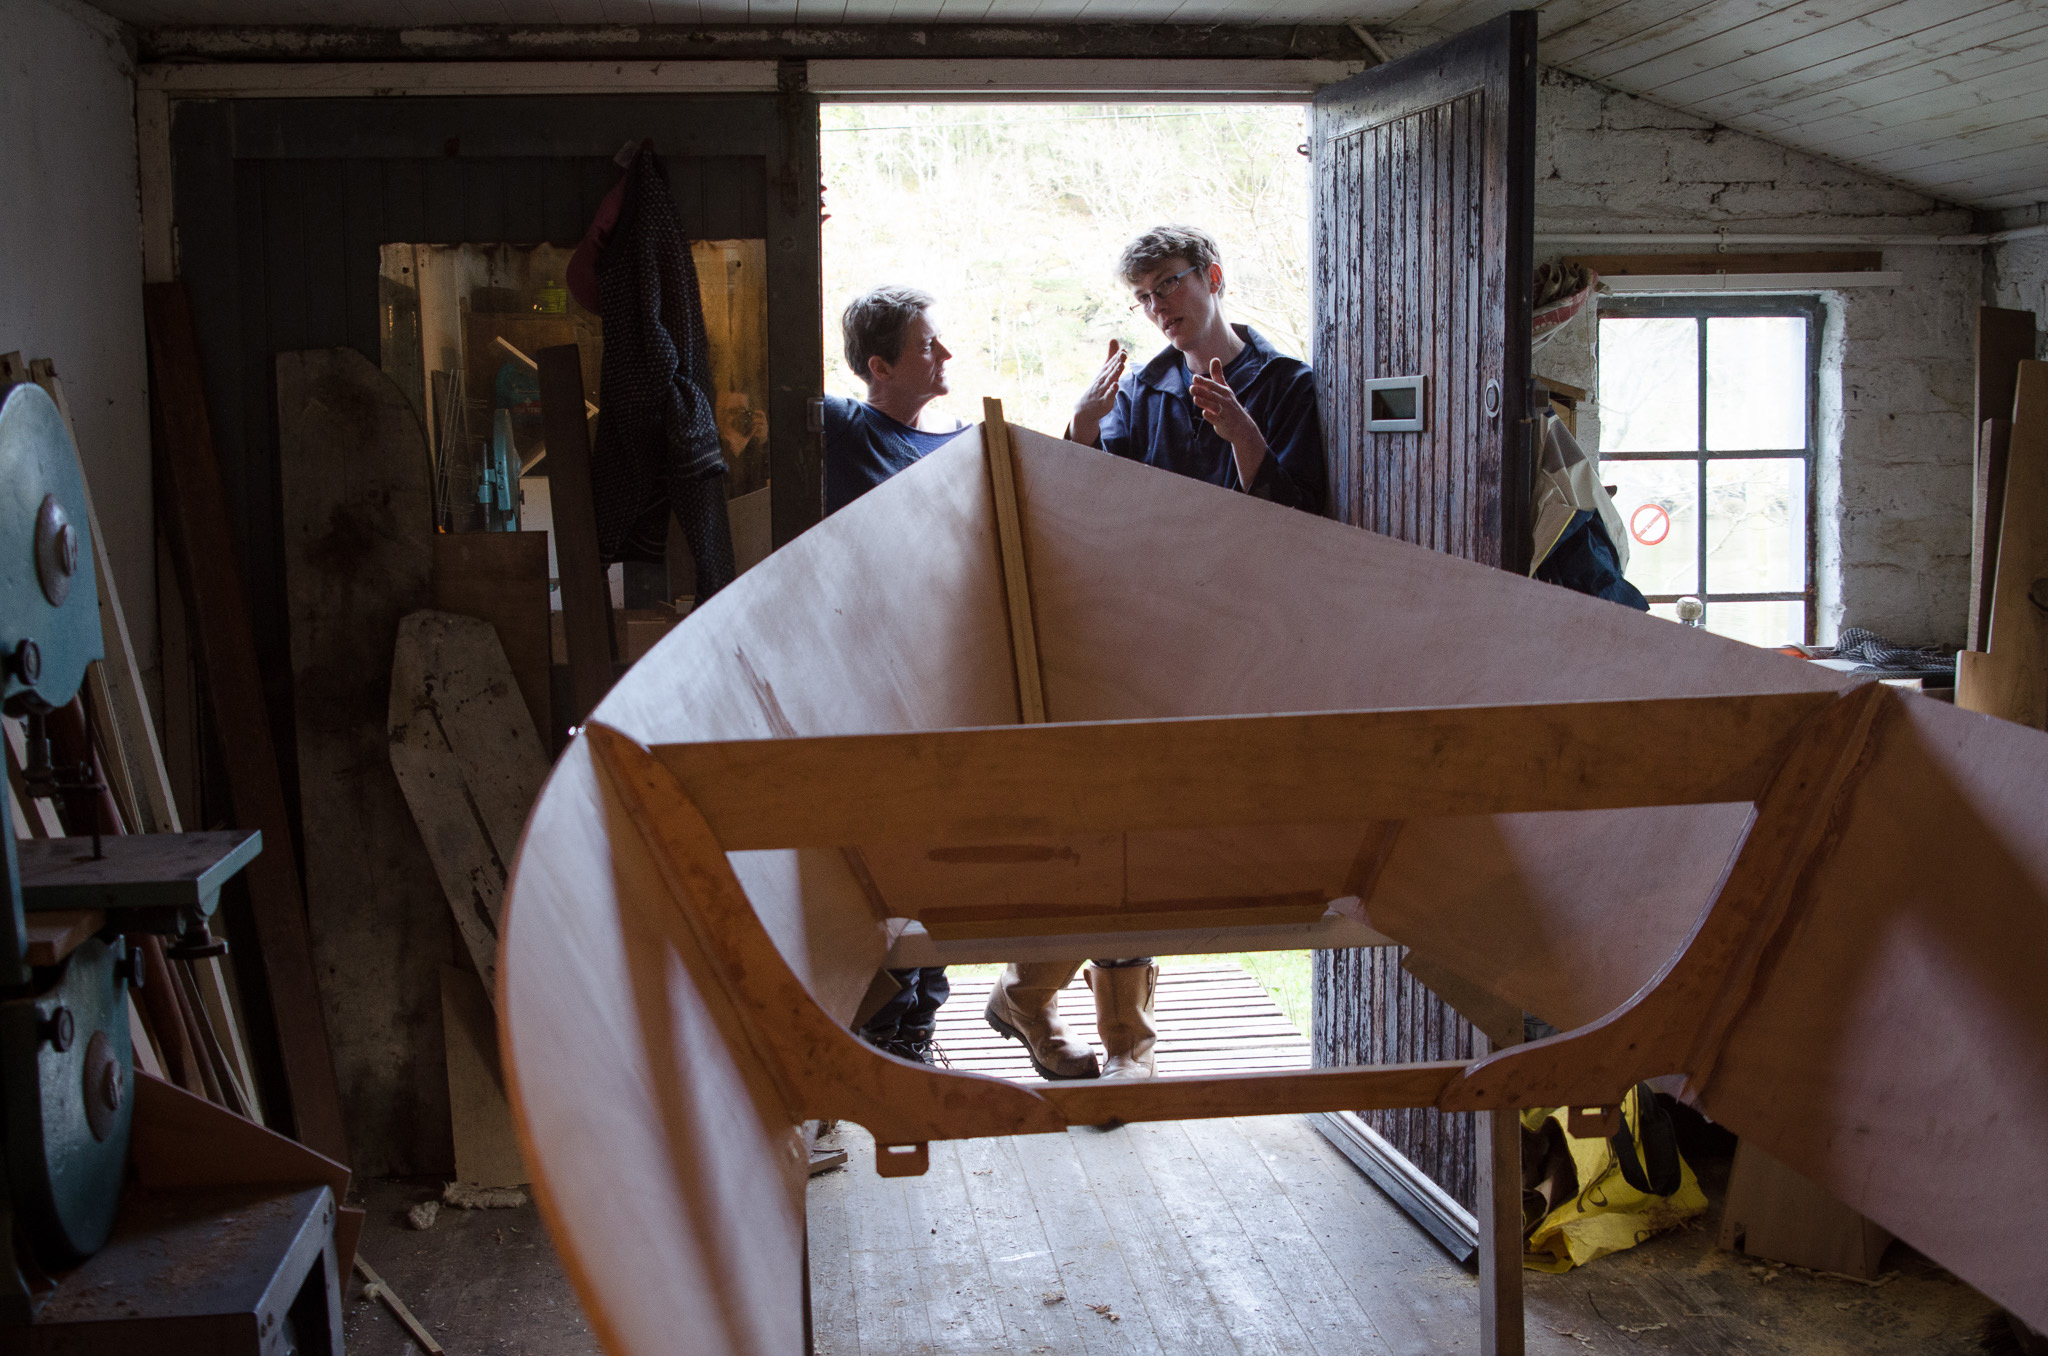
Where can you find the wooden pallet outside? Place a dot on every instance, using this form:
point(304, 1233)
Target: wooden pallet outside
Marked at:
point(1214, 1018)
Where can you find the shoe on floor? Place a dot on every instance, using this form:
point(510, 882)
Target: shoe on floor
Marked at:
point(1025, 1006)
point(1124, 996)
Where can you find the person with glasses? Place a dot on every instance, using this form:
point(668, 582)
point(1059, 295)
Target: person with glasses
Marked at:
point(1221, 404)
point(892, 344)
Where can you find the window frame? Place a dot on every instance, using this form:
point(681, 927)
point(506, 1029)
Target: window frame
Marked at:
point(1702, 309)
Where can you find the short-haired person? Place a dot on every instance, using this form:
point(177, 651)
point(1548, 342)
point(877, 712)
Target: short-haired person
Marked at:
point(893, 346)
point(1218, 403)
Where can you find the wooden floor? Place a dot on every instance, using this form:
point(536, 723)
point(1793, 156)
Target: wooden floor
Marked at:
point(1213, 1018)
point(1255, 1235)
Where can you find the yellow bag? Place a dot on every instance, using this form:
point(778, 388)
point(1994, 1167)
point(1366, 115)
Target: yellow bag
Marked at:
point(1610, 1212)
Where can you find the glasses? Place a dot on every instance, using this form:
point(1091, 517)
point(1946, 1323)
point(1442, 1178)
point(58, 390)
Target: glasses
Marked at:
point(1141, 300)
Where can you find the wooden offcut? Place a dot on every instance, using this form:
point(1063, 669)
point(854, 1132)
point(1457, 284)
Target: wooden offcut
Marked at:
point(1773, 1212)
point(469, 762)
point(486, 1150)
point(502, 578)
point(192, 504)
point(586, 596)
point(2010, 677)
point(2003, 340)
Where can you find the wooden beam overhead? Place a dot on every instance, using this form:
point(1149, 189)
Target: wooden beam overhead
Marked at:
point(1665, 265)
point(763, 42)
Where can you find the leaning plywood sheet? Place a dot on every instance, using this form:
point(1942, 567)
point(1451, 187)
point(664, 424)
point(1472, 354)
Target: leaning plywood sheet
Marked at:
point(470, 762)
point(1670, 851)
point(358, 531)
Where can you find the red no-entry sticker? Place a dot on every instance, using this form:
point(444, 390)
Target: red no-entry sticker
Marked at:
point(1650, 518)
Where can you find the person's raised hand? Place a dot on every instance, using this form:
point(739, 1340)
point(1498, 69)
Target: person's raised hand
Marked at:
point(1100, 398)
point(1219, 405)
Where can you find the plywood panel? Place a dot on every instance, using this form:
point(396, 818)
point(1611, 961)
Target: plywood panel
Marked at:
point(358, 531)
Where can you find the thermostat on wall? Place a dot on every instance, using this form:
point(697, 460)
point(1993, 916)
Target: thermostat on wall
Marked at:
point(1396, 404)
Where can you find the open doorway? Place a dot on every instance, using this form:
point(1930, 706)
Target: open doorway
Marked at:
point(1012, 216)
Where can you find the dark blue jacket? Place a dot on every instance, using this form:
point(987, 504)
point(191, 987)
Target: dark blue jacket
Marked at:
point(1157, 422)
point(864, 447)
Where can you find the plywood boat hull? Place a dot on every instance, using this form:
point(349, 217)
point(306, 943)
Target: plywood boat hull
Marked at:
point(1889, 1037)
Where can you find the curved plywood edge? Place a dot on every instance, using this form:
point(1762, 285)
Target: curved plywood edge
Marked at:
point(672, 1192)
point(1892, 1049)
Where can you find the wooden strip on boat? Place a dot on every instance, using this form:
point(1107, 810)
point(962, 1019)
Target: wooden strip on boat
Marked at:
point(1026, 782)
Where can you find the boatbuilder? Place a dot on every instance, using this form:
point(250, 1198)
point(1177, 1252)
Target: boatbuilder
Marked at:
point(1221, 404)
point(893, 346)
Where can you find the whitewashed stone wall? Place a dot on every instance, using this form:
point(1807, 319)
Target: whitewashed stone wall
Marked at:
point(2016, 276)
point(1893, 510)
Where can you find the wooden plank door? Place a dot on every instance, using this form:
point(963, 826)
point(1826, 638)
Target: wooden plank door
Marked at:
point(1424, 181)
point(1424, 173)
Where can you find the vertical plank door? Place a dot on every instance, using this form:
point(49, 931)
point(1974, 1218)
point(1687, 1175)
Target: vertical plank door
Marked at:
point(1423, 225)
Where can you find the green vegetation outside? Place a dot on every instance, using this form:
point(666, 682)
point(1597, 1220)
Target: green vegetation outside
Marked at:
point(1013, 215)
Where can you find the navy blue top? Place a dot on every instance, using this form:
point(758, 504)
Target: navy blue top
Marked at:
point(1157, 422)
point(864, 447)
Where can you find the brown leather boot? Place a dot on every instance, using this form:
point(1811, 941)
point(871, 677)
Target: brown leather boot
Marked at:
point(1123, 1017)
point(1025, 1006)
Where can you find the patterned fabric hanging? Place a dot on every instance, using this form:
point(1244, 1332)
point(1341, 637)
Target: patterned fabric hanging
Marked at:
point(657, 450)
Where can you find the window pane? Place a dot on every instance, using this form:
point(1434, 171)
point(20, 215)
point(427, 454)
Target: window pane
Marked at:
point(1649, 385)
point(1756, 383)
point(1767, 624)
point(1657, 499)
point(1756, 525)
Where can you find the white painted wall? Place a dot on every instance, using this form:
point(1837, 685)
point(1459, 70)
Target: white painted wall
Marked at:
point(1893, 510)
point(2016, 276)
point(71, 263)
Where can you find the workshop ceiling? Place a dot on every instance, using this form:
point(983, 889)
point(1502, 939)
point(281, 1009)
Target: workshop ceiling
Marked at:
point(1947, 96)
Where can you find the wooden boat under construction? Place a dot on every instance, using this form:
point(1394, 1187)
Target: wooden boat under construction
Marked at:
point(958, 702)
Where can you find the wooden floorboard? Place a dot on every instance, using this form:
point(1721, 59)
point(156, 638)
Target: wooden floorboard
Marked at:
point(1228, 1263)
point(1255, 1235)
point(1304, 1277)
point(1095, 1278)
point(1182, 1315)
point(1020, 1260)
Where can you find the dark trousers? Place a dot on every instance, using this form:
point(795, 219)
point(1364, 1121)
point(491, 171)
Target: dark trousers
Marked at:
point(917, 1007)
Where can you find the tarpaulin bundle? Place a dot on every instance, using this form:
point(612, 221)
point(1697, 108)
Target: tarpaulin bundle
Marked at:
point(657, 449)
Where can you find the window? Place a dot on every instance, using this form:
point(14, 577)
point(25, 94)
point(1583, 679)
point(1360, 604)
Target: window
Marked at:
point(1706, 434)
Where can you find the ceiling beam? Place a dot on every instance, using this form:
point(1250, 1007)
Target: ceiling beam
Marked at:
point(675, 42)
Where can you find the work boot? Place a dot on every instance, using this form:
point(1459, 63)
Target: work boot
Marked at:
point(915, 1043)
point(1025, 1006)
point(1123, 1017)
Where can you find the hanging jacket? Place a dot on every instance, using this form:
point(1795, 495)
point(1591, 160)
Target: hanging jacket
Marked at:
point(657, 450)
point(1580, 542)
